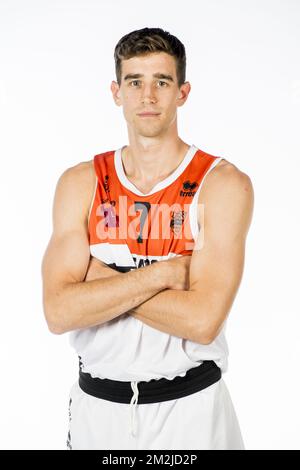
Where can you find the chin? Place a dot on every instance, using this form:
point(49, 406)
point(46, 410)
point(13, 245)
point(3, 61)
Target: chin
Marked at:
point(149, 133)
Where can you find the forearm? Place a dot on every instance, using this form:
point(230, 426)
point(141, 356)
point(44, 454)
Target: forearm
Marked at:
point(170, 311)
point(90, 303)
point(173, 312)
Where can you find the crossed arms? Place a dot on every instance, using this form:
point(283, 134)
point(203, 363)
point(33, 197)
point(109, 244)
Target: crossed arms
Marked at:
point(75, 295)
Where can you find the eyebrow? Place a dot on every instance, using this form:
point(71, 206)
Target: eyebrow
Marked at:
point(155, 75)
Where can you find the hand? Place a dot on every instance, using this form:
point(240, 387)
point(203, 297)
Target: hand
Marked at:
point(178, 272)
point(97, 270)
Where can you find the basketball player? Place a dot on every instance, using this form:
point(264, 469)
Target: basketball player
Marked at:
point(143, 266)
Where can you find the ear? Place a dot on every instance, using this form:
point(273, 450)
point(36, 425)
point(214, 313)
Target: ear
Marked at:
point(183, 93)
point(115, 89)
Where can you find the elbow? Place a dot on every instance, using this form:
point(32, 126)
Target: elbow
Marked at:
point(204, 339)
point(203, 334)
point(53, 320)
point(208, 327)
point(207, 340)
point(55, 328)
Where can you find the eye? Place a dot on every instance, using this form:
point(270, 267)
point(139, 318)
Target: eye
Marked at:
point(134, 81)
point(164, 83)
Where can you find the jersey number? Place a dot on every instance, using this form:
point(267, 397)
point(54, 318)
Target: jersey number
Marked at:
point(144, 207)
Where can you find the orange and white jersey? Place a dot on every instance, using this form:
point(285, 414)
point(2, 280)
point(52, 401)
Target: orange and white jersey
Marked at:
point(129, 230)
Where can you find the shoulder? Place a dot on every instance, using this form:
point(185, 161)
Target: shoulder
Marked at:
point(78, 182)
point(79, 172)
point(226, 177)
point(79, 176)
point(227, 190)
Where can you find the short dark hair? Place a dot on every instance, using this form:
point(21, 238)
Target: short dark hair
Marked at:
point(147, 40)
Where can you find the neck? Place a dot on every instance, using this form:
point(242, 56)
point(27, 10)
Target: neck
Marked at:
point(154, 161)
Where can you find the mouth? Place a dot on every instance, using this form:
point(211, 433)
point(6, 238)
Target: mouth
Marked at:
point(148, 114)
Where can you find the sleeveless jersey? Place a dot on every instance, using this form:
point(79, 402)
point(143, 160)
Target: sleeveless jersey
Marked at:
point(129, 230)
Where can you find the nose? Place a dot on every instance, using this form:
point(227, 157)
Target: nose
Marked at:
point(148, 95)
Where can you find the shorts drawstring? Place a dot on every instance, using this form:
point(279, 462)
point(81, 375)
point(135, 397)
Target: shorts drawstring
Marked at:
point(133, 404)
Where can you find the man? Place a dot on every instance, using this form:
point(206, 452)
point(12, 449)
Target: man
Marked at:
point(143, 266)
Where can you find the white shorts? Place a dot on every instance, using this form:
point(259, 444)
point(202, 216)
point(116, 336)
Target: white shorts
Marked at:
point(205, 420)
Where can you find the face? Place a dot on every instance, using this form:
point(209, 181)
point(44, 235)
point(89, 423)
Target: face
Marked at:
point(149, 84)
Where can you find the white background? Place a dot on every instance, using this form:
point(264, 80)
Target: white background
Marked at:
point(57, 110)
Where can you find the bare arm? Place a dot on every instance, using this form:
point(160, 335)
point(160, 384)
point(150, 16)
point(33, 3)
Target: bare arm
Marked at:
point(69, 302)
point(166, 311)
point(161, 311)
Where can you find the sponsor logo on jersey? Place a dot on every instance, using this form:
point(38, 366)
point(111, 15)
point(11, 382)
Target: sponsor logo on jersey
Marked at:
point(142, 262)
point(177, 219)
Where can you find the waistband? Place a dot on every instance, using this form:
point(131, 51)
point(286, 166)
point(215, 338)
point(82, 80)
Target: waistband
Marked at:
point(153, 391)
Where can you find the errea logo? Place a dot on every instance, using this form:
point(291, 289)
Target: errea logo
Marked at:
point(188, 188)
